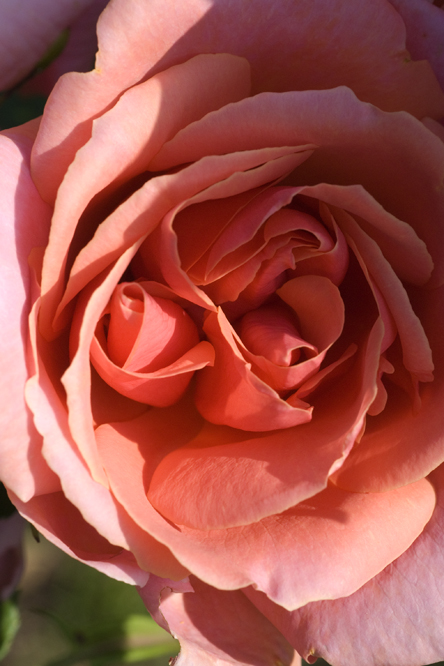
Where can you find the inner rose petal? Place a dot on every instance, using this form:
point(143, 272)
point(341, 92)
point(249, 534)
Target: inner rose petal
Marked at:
point(147, 332)
point(156, 363)
point(271, 332)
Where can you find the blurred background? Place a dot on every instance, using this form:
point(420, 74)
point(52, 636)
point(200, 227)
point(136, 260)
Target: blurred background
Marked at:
point(72, 615)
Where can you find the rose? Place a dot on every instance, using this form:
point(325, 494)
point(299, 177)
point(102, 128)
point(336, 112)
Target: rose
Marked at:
point(282, 460)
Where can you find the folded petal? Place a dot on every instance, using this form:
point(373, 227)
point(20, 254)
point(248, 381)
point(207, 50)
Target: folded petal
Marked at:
point(389, 454)
point(396, 618)
point(25, 224)
point(372, 59)
point(216, 628)
point(259, 475)
point(402, 157)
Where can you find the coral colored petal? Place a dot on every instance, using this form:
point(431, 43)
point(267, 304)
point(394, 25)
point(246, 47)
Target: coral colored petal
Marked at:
point(77, 379)
point(219, 557)
point(161, 248)
point(27, 30)
point(389, 455)
point(230, 394)
point(417, 355)
point(61, 522)
point(399, 242)
point(25, 224)
point(135, 128)
point(264, 475)
point(137, 216)
point(318, 305)
point(372, 59)
point(94, 501)
point(215, 628)
point(159, 388)
point(402, 168)
point(401, 609)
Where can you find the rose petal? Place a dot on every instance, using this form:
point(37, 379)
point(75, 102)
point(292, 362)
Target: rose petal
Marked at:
point(402, 158)
point(135, 136)
point(137, 216)
point(389, 455)
point(231, 394)
point(404, 627)
point(338, 526)
point(372, 60)
point(77, 378)
point(25, 224)
point(159, 388)
point(259, 476)
point(161, 249)
point(216, 628)
point(61, 523)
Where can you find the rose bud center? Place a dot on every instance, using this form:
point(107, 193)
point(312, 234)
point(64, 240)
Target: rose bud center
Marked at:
point(147, 332)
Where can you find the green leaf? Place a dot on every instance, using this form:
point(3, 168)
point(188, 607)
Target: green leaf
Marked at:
point(9, 624)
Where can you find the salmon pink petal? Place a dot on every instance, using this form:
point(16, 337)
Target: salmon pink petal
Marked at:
point(163, 332)
point(61, 522)
point(264, 475)
point(399, 242)
point(215, 628)
point(77, 55)
point(405, 623)
point(372, 60)
point(161, 248)
point(139, 214)
point(232, 566)
point(231, 394)
point(77, 378)
point(94, 501)
point(135, 128)
point(271, 333)
point(398, 150)
point(27, 30)
point(417, 355)
point(388, 454)
point(319, 308)
point(25, 224)
point(159, 388)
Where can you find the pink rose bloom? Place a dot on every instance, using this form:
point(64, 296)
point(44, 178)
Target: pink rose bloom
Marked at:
point(222, 263)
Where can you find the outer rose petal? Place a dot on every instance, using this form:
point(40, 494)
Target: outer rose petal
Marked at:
point(215, 628)
point(25, 224)
point(425, 28)
point(372, 59)
point(60, 522)
point(27, 29)
point(395, 619)
point(78, 54)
